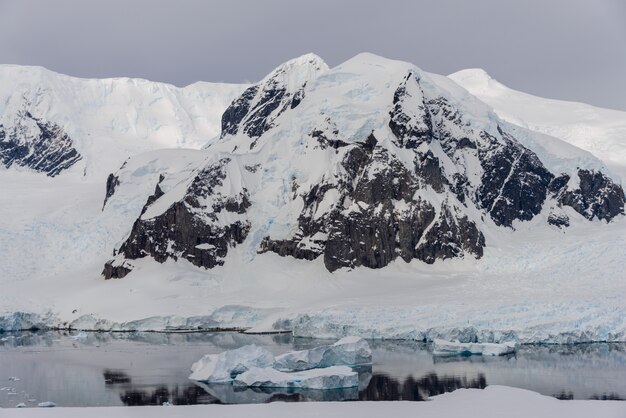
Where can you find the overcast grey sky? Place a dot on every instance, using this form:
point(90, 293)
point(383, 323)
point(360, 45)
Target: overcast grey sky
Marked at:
point(567, 49)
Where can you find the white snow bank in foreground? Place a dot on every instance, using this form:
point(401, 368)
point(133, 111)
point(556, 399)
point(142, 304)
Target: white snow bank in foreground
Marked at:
point(492, 402)
point(225, 366)
point(335, 377)
point(349, 351)
point(443, 347)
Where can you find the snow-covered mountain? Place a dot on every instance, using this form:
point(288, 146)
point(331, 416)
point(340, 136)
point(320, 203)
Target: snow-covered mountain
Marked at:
point(602, 132)
point(55, 124)
point(361, 164)
point(372, 198)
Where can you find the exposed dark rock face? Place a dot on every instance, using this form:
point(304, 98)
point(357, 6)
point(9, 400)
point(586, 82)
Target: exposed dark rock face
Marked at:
point(112, 182)
point(376, 217)
point(259, 106)
point(239, 108)
point(114, 269)
point(410, 122)
point(190, 228)
point(259, 120)
point(38, 145)
point(324, 140)
point(514, 184)
point(597, 196)
point(158, 192)
point(298, 97)
point(559, 219)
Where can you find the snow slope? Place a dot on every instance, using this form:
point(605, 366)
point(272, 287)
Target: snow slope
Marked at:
point(599, 131)
point(111, 119)
point(494, 401)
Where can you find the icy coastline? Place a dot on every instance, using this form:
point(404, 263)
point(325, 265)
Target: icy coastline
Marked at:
point(600, 324)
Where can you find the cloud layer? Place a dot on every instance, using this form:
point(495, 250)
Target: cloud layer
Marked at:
point(568, 49)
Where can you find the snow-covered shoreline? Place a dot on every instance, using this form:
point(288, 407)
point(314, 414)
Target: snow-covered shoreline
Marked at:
point(494, 401)
point(319, 326)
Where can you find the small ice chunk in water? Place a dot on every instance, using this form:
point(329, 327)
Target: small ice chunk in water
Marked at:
point(443, 347)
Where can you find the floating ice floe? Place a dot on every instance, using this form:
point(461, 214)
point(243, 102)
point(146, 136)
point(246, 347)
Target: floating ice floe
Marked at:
point(349, 351)
point(21, 405)
point(324, 367)
point(334, 377)
point(447, 348)
point(225, 366)
point(46, 404)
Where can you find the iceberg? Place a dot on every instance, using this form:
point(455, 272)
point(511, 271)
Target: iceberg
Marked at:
point(443, 348)
point(335, 377)
point(349, 351)
point(225, 366)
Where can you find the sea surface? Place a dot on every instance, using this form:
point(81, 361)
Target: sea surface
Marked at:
point(114, 369)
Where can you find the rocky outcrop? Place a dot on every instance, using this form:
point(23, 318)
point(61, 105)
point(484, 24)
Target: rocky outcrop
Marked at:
point(239, 108)
point(36, 144)
point(375, 217)
point(595, 196)
point(191, 228)
point(112, 182)
point(514, 184)
point(116, 269)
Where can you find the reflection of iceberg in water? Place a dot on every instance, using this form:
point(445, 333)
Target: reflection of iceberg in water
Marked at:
point(230, 394)
point(372, 387)
point(473, 359)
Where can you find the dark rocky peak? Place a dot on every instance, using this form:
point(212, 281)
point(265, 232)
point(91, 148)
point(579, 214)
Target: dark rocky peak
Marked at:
point(255, 111)
point(490, 169)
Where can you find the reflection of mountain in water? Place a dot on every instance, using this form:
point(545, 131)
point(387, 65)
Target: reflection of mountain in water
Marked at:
point(385, 388)
point(189, 395)
point(140, 395)
point(377, 387)
point(230, 394)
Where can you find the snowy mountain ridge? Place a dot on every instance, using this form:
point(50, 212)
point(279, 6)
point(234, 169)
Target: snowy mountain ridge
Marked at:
point(599, 131)
point(55, 123)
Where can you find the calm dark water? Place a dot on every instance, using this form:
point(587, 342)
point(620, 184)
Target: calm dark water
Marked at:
point(107, 369)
